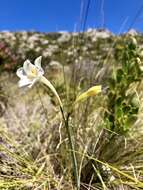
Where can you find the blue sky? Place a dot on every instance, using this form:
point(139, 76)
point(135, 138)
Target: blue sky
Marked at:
point(57, 15)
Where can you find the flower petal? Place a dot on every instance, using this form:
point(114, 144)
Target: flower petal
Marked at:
point(33, 82)
point(24, 82)
point(20, 73)
point(40, 72)
point(28, 66)
point(38, 62)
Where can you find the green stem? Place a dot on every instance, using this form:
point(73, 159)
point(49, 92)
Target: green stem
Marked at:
point(71, 145)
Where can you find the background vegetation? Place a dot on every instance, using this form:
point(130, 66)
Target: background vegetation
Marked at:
point(107, 128)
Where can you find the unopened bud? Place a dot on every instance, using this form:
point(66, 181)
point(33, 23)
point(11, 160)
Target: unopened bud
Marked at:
point(94, 90)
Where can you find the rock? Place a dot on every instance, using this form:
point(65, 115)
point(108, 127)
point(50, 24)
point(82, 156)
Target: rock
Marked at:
point(65, 37)
point(132, 32)
point(94, 34)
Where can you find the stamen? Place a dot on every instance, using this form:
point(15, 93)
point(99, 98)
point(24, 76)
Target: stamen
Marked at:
point(34, 71)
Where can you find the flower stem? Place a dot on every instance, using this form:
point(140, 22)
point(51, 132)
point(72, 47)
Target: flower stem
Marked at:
point(66, 122)
point(71, 145)
point(48, 83)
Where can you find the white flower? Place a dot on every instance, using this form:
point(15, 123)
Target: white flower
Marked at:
point(30, 73)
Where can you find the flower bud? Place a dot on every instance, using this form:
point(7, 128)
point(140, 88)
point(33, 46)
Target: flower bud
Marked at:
point(90, 92)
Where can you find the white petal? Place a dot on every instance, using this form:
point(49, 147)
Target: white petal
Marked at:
point(38, 62)
point(24, 82)
point(40, 72)
point(28, 66)
point(32, 83)
point(20, 73)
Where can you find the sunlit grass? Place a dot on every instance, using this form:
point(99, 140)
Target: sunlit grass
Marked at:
point(107, 141)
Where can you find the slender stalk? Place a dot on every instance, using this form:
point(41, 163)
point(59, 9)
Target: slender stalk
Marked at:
point(71, 145)
point(66, 122)
point(47, 83)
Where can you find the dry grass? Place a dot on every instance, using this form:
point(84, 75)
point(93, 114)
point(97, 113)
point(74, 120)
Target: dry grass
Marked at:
point(34, 153)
